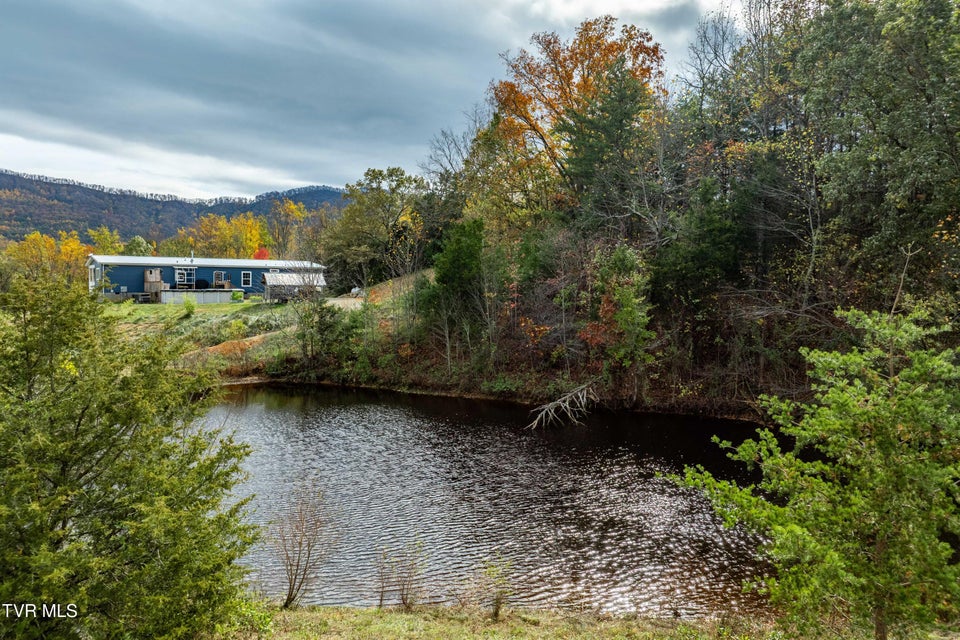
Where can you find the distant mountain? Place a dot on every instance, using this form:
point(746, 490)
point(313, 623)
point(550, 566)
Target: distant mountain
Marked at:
point(36, 203)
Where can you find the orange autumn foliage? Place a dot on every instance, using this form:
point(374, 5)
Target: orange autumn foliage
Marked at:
point(560, 77)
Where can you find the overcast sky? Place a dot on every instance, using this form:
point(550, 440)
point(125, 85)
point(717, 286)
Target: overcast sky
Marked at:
point(202, 98)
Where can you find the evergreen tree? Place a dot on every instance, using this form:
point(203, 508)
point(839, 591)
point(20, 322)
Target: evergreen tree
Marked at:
point(114, 500)
point(859, 513)
point(454, 302)
point(603, 164)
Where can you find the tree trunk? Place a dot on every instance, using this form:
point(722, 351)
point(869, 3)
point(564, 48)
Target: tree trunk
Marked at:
point(880, 623)
point(446, 341)
point(880, 629)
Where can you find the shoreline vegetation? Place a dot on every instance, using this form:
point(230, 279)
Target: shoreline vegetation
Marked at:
point(260, 343)
point(256, 343)
point(465, 623)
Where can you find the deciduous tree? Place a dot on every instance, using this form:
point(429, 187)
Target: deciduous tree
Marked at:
point(559, 77)
point(285, 216)
point(215, 236)
point(138, 246)
point(105, 241)
point(379, 228)
point(39, 254)
point(883, 82)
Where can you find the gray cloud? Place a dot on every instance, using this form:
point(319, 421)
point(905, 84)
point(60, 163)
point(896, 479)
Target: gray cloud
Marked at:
point(257, 92)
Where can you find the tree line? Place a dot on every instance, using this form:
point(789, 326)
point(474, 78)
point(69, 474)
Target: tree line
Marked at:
point(590, 226)
point(807, 161)
point(31, 203)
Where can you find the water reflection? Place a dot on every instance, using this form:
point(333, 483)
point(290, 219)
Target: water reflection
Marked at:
point(580, 513)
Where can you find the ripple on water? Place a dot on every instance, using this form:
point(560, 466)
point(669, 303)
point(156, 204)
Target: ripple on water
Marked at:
point(582, 515)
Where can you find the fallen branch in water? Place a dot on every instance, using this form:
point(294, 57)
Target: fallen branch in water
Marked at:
point(570, 407)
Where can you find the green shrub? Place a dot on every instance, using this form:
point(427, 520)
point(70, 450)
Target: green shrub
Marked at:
point(502, 385)
point(250, 618)
point(265, 323)
point(237, 329)
point(857, 506)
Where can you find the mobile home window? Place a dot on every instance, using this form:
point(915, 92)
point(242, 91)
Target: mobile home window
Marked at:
point(246, 278)
point(219, 277)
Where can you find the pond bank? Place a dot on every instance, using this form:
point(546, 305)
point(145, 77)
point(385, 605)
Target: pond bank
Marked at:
point(468, 623)
point(691, 406)
point(255, 343)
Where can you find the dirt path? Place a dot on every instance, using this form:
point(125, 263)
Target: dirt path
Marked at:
point(381, 292)
point(346, 302)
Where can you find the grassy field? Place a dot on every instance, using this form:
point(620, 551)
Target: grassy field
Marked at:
point(239, 339)
point(183, 320)
point(443, 623)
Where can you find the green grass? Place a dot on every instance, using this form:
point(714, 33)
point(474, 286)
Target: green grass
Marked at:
point(204, 326)
point(237, 339)
point(442, 623)
point(159, 313)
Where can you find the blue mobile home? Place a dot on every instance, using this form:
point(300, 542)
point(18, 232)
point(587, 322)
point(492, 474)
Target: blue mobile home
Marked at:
point(148, 277)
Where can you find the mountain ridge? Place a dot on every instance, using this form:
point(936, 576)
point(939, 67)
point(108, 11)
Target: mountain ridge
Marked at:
point(30, 202)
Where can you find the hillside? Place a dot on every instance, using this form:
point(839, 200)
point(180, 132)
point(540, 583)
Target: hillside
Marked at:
point(36, 203)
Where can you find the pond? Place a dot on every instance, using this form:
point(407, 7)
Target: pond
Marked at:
point(577, 516)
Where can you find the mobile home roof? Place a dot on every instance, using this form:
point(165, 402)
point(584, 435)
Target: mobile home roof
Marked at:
point(162, 261)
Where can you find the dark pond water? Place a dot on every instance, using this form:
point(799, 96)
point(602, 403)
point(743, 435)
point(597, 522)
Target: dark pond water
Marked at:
point(580, 515)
